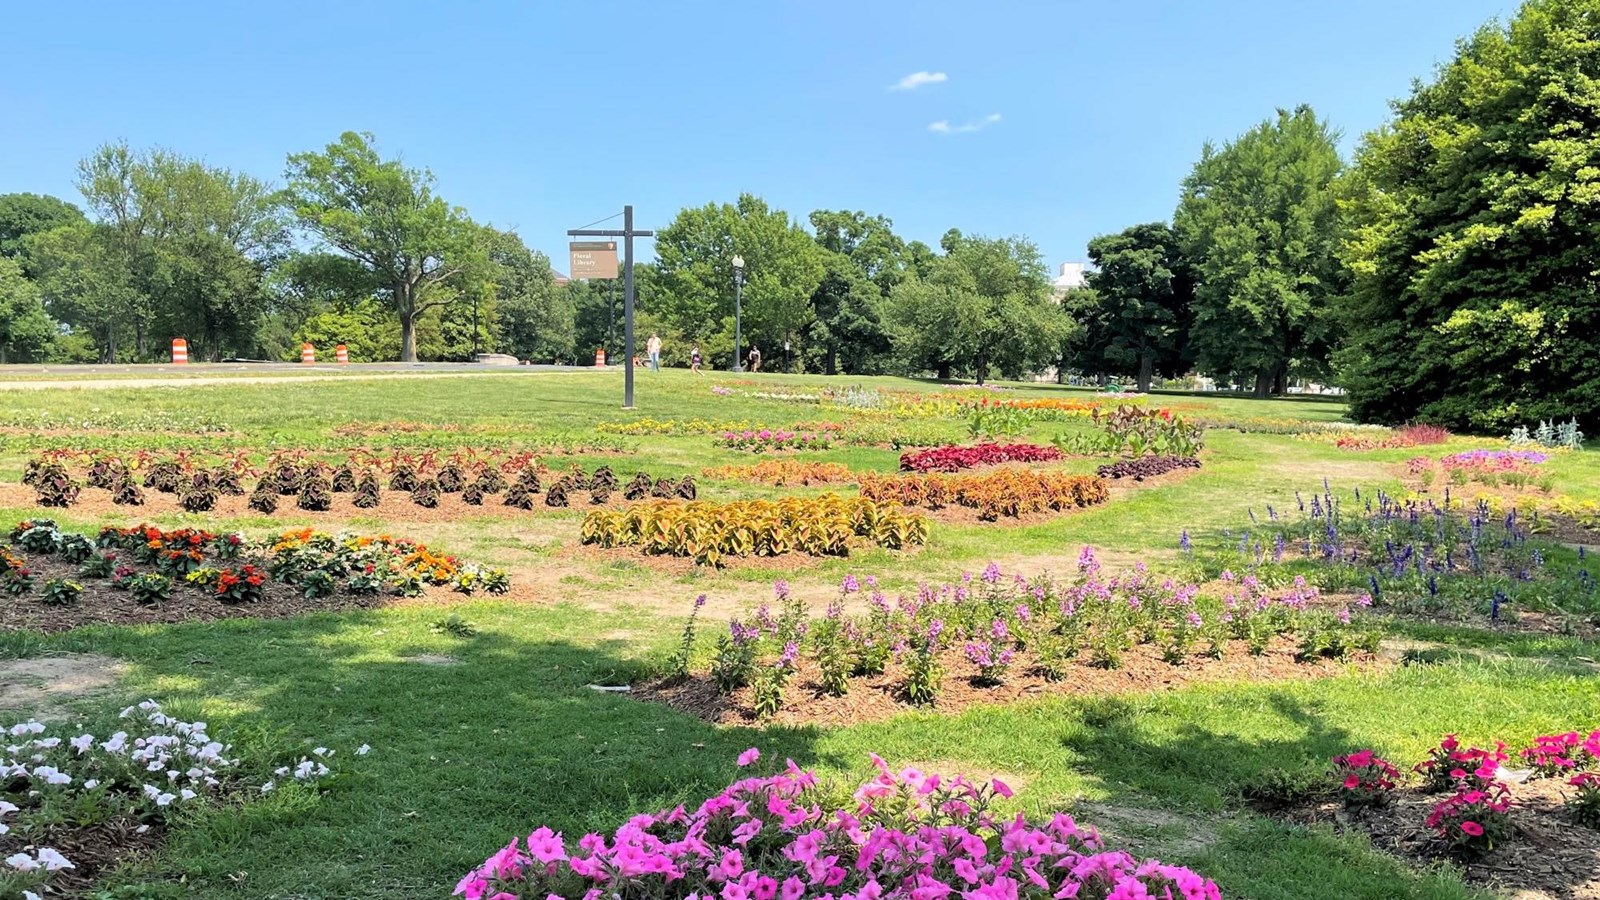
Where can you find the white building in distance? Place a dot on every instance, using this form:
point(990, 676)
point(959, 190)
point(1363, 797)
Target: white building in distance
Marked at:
point(1072, 276)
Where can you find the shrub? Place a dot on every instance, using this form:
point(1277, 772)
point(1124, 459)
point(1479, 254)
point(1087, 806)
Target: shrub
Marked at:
point(638, 488)
point(426, 493)
point(1584, 805)
point(240, 586)
point(316, 494)
point(604, 479)
point(490, 481)
point(528, 479)
point(366, 492)
point(556, 496)
point(104, 472)
point(403, 478)
point(1365, 779)
point(127, 493)
point(344, 480)
point(150, 589)
point(685, 489)
point(952, 459)
point(472, 494)
point(60, 592)
point(895, 841)
point(450, 479)
point(99, 565)
point(317, 583)
point(226, 481)
point(73, 548)
point(198, 496)
point(1450, 766)
point(518, 496)
point(55, 487)
point(164, 476)
point(263, 501)
point(287, 479)
point(1473, 820)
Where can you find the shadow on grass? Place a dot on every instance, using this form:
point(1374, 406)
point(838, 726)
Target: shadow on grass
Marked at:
point(474, 740)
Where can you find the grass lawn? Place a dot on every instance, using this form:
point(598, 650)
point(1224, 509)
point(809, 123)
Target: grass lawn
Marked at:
point(508, 733)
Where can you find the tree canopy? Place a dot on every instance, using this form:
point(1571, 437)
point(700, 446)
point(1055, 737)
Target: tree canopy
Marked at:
point(1143, 290)
point(1474, 226)
point(1258, 223)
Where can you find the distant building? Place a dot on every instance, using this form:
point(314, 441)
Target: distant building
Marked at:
point(1072, 276)
point(560, 278)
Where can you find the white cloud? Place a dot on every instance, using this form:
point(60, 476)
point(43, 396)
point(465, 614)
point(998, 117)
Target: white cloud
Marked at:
point(918, 79)
point(943, 126)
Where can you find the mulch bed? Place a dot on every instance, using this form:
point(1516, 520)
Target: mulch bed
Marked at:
point(1546, 858)
point(872, 698)
point(101, 605)
point(396, 506)
point(93, 849)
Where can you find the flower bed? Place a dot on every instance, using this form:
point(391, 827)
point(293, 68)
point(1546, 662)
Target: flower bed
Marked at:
point(145, 574)
point(781, 472)
point(768, 440)
point(1146, 467)
point(1405, 436)
point(673, 427)
point(1473, 806)
point(954, 459)
point(996, 637)
point(903, 836)
point(711, 532)
point(1440, 559)
point(1514, 469)
point(1009, 492)
point(74, 804)
point(312, 483)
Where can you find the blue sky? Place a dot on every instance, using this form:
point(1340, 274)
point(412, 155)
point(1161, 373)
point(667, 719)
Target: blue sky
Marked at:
point(1084, 116)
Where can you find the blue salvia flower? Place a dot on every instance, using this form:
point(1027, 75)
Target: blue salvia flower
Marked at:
point(1277, 548)
point(1580, 553)
point(1183, 542)
point(1538, 558)
point(1433, 585)
point(1494, 605)
point(1271, 513)
point(1358, 491)
point(1299, 500)
point(1377, 592)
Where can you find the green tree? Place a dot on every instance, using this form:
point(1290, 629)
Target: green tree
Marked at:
point(1474, 229)
point(1143, 290)
point(536, 318)
point(1258, 222)
point(27, 333)
point(25, 214)
point(386, 217)
point(196, 241)
point(84, 280)
point(847, 333)
point(783, 267)
point(868, 241)
point(984, 305)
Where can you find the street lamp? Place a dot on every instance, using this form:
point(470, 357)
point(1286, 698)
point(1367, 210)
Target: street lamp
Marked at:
point(738, 303)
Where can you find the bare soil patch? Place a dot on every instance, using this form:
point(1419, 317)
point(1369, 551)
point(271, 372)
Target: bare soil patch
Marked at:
point(94, 848)
point(39, 686)
point(875, 697)
point(1547, 857)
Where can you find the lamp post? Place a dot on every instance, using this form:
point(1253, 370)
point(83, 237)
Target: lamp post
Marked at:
point(738, 303)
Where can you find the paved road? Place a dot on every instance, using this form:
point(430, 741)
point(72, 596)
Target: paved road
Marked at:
point(137, 376)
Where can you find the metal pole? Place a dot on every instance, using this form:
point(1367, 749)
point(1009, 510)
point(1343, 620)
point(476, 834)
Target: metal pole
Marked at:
point(474, 327)
point(627, 306)
point(738, 302)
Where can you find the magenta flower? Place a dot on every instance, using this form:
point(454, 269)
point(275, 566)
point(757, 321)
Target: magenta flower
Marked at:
point(748, 757)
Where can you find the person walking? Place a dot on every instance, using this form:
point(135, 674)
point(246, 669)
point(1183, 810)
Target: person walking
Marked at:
point(694, 360)
point(653, 346)
point(754, 359)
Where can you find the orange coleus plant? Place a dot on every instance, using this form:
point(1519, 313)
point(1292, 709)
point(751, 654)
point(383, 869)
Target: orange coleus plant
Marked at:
point(1006, 492)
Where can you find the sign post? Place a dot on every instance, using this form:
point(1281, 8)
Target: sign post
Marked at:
point(598, 259)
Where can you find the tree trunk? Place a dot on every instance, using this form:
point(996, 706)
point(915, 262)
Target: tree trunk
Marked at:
point(1280, 380)
point(1147, 365)
point(833, 360)
point(982, 368)
point(943, 371)
point(1263, 385)
point(404, 305)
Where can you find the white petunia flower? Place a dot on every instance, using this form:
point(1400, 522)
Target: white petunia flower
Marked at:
point(53, 861)
point(363, 750)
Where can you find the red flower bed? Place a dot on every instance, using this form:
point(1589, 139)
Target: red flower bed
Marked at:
point(954, 459)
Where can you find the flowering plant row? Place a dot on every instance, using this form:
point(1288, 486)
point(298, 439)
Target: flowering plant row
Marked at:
point(1511, 468)
point(673, 427)
point(1476, 816)
point(1003, 492)
point(903, 835)
point(1423, 555)
point(1404, 436)
point(711, 532)
point(781, 472)
point(1146, 467)
point(954, 459)
point(321, 564)
point(1136, 431)
point(989, 624)
point(143, 773)
point(769, 440)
